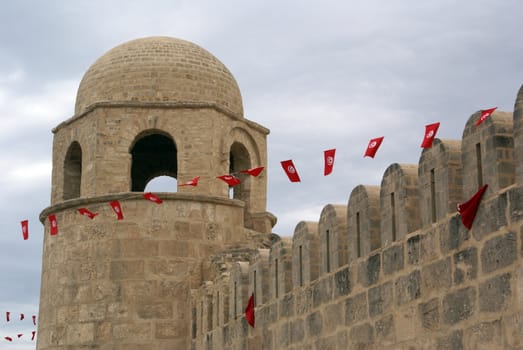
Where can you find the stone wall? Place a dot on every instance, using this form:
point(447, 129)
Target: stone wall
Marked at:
point(404, 273)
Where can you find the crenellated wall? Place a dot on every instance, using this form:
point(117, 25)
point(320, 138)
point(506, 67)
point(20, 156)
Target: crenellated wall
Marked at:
point(395, 268)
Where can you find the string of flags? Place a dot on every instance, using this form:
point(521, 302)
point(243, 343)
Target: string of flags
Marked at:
point(287, 165)
point(9, 318)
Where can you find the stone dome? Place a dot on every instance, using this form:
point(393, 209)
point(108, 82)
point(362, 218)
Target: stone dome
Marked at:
point(159, 69)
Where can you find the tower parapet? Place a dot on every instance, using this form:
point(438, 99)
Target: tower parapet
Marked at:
point(414, 277)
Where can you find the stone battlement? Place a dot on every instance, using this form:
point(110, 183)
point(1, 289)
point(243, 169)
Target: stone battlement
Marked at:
point(394, 268)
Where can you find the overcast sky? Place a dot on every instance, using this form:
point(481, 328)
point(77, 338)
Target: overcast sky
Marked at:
point(318, 75)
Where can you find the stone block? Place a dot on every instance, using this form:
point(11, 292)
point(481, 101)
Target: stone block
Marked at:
point(484, 336)
point(287, 305)
point(413, 250)
point(407, 323)
point(91, 312)
point(436, 276)
point(490, 216)
point(459, 305)
point(465, 265)
point(283, 337)
point(356, 308)
point(314, 324)
point(452, 234)
point(303, 300)
point(384, 330)
point(322, 291)
point(127, 269)
point(80, 333)
point(156, 310)
point(138, 331)
point(297, 331)
point(429, 314)
point(408, 287)
point(380, 299)
point(393, 260)
point(333, 316)
point(369, 270)
point(495, 293)
point(361, 336)
point(168, 330)
point(513, 328)
point(451, 341)
point(499, 252)
point(515, 197)
point(267, 339)
point(342, 282)
point(326, 343)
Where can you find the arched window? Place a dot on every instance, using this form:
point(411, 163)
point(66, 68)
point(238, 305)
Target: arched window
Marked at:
point(153, 154)
point(72, 171)
point(239, 160)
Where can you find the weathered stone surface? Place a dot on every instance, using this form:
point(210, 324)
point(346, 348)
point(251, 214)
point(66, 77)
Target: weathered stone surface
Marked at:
point(380, 299)
point(361, 336)
point(328, 342)
point(314, 324)
point(384, 329)
point(429, 314)
point(342, 281)
point(369, 270)
point(498, 252)
point(495, 293)
point(322, 291)
point(459, 305)
point(287, 305)
point(453, 234)
point(297, 331)
point(436, 276)
point(333, 316)
point(452, 341)
point(484, 336)
point(393, 259)
point(408, 287)
point(490, 216)
point(465, 265)
point(356, 308)
point(515, 196)
point(413, 250)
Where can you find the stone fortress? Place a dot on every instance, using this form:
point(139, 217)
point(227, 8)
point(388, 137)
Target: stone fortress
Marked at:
point(392, 269)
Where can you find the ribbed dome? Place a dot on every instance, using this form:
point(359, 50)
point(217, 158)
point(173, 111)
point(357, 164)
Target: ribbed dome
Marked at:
point(159, 69)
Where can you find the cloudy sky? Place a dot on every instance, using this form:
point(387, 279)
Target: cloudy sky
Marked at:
point(319, 75)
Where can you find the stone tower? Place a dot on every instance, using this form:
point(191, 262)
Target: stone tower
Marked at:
point(149, 107)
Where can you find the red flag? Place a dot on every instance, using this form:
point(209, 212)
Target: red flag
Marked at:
point(430, 135)
point(485, 113)
point(117, 209)
point(230, 180)
point(253, 171)
point(22, 317)
point(25, 229)
point(328, 156)
point(8, 338)
point(373, 146)
point(53, 225)
point(33, 335)
point(7, 313)
point(34, 320)
point(469, 208)
point(290, 170)
point(87, 212)
point(249, 310)
point(192, 182)
point(152, 197)
point(19, 335)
